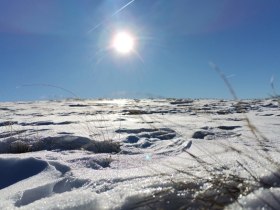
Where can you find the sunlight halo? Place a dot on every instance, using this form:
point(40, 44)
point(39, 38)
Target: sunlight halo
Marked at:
point(123, 42)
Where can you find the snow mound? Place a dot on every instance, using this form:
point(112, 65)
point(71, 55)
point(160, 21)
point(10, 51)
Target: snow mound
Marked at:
point(26, 180)
point(220, 132)
point(14, 145)
point(14, 169)
point(76, 143)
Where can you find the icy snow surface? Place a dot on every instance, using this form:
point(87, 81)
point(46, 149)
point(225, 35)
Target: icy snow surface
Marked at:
point(140, 154)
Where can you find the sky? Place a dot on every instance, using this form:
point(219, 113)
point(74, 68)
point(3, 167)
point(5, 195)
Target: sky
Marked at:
point(54, 49)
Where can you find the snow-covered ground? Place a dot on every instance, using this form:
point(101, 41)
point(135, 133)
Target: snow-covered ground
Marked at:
point(140, 154)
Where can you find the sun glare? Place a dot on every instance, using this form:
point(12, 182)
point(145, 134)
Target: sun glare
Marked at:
point(123, 42)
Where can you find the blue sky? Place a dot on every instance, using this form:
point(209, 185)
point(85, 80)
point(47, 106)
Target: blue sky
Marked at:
point(64, 43)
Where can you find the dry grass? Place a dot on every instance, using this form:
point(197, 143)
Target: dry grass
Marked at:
point(223, 187)
point(217, 191)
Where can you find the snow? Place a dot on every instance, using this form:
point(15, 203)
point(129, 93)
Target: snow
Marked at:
point(140, 154)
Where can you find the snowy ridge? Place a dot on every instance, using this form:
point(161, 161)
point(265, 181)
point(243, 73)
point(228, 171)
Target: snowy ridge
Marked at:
point(140, 154)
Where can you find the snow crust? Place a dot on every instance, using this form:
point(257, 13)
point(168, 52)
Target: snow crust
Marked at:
point(140, 154)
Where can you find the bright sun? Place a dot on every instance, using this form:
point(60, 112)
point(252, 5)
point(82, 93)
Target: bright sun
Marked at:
point(123, 42)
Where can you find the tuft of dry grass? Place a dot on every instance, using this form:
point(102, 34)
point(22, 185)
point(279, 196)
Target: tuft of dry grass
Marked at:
point(19, 146)
point(216, 192)
point(222, 188)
